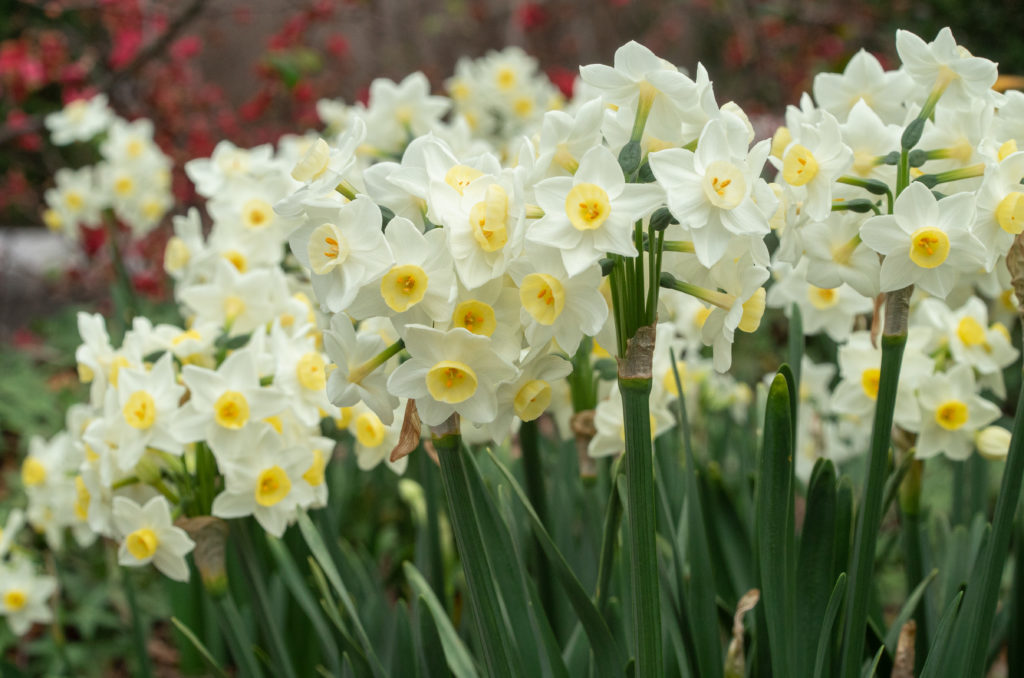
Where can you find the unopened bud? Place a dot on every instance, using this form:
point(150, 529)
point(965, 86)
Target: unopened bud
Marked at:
point(993, 442)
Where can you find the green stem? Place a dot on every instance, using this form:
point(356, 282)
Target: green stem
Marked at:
point(139, 632)
point(487, 612)
point(125, 301)
point(640, 496)
point(911, 520)
point(894, 340)
point(206, 471)
point(360, 372)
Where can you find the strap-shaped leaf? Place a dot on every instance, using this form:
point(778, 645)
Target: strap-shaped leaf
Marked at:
point(609, 656)
point(455, 653)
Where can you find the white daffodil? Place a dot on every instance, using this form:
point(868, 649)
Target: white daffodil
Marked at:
point(419, 287)
point(264, 482)
point(865, 80)
point(946, 66)
point(951, 412)
point(80, 120)
point(344, 249)
point(222, 402)
point(1000, 216)
point(970, 338)
point(836, 254)
point(485, 226)
point(711, 190)
point(24, 595)
point(300, 372)
point(322, 169)
point(360, 374)
point(235, 300)
point(871, 140)
point(859, 368)
point(641, 79)
point(611, 433)
point(375, 440)
point(228, 165)
point(812, 161)
point(593, 212)
point(556, 305)
point(491, 310)
point(450, 372)
point(926, 242)
point(148, 535)
point(832, 310)
point(142, 411)
point(528, 396)
point(399, 111)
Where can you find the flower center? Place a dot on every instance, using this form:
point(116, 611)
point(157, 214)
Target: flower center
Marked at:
point(403, 287)
point(14, 600)
point(257, 213)
point(140, 410)
point(142, 543)
point(869, 382)
point(236, 259)
point(587, 206)
point(272, 486)
point(33, 472)
point(176, 255)
point(311, 371)
point(724, 185)
point(799, 166)
point(488, 219)
point(822, 298)
point(951, 415)
point(475, 316)
point(231, 410)
point(327, 248)
point(543, 297)
point(461, 176)
point(370, 431)
point(1010, 213)
point(451, 381)
point(532, 399)
point(314, 475)
point(970, 332)
point(929, 247)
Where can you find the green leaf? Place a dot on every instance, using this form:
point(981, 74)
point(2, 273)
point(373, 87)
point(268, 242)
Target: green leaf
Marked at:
point(892, 636)
point(815, 561)
point(986, 576)
point(300, 593)
point(825, 636)
point(775, 541)
point(319, 550)
point(608, 653)
point(456, 655)
point(935, 666)
point(870, 512)
point(492, 626)
point(198, 645)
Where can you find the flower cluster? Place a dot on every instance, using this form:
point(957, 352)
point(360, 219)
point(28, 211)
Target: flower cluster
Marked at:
point(893, 179)
point(131, 180)
point(486, 262)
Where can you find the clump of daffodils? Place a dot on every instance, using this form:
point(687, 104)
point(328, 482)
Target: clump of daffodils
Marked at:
point(487, 261)
point(130, 180)
point(944, 227)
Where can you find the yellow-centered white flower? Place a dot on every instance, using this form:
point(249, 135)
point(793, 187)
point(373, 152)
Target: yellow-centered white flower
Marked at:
point(148, 535)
